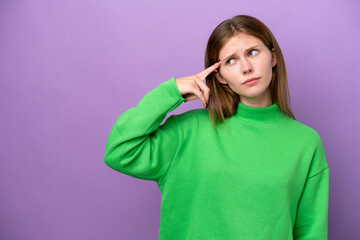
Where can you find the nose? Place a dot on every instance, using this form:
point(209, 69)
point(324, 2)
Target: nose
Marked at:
point(246, 66)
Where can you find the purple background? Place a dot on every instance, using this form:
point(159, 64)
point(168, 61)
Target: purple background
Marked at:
point(69, 68)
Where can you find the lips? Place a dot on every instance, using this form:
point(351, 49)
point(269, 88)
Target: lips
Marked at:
point(250, 80)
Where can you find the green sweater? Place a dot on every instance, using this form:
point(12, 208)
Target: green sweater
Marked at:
point(263, 175)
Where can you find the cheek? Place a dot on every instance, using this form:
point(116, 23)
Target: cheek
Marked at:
point(264, 69)
point(266, 66)
point(268, 70)
point(229, 72)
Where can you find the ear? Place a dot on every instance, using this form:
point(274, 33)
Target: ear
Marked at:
point(218, 77)
point(274, 60)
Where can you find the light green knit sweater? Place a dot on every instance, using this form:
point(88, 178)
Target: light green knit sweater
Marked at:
point(262, 176)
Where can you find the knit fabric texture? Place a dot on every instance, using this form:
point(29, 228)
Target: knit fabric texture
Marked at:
point(262, 175)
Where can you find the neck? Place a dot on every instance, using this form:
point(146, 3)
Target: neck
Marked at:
point(264, 100)
point(270, 113)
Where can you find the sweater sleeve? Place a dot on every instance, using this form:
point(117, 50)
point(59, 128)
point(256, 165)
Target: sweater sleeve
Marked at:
point(312, 215)
point(138, 145)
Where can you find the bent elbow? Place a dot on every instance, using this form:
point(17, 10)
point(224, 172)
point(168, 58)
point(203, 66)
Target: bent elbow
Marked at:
point(112, 155)
point(118, 157)
point(107, 159)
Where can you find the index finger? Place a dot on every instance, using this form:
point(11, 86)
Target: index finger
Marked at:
point(208, 70)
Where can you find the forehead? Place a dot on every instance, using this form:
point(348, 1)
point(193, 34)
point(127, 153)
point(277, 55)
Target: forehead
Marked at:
point(239, 42)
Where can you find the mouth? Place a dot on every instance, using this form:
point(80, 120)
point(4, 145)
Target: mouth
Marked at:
point(250, 80)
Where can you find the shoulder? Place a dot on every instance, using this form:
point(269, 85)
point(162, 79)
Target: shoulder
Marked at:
point(310, 142)
point(191, 118)
point(313, 145)
point(191, 115)
point(302, 131)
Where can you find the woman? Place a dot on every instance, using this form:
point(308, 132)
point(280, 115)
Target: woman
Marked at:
point(243, 168)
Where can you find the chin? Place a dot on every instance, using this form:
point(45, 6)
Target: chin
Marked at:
point(252, 93)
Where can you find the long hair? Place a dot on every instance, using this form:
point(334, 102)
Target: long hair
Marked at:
point(223, 101)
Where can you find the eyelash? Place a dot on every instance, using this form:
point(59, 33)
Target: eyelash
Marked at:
point(227, 62)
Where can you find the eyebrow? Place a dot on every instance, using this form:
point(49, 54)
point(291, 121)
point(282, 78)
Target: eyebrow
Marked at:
point(233, 54)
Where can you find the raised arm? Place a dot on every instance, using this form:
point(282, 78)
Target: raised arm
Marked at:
point(138, 145)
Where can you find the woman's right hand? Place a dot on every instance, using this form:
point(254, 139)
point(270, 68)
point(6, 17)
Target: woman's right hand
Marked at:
point(193, 87)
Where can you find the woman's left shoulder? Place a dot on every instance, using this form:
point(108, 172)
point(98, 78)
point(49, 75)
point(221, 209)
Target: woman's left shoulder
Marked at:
point(303, 130)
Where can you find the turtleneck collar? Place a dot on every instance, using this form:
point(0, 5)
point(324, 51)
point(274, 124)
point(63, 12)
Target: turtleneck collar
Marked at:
point(259, 114)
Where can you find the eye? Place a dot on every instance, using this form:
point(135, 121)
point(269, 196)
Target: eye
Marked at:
point(227, 62)
point(252, 50)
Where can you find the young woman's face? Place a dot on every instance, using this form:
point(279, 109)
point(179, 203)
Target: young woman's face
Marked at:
point(244, 57)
